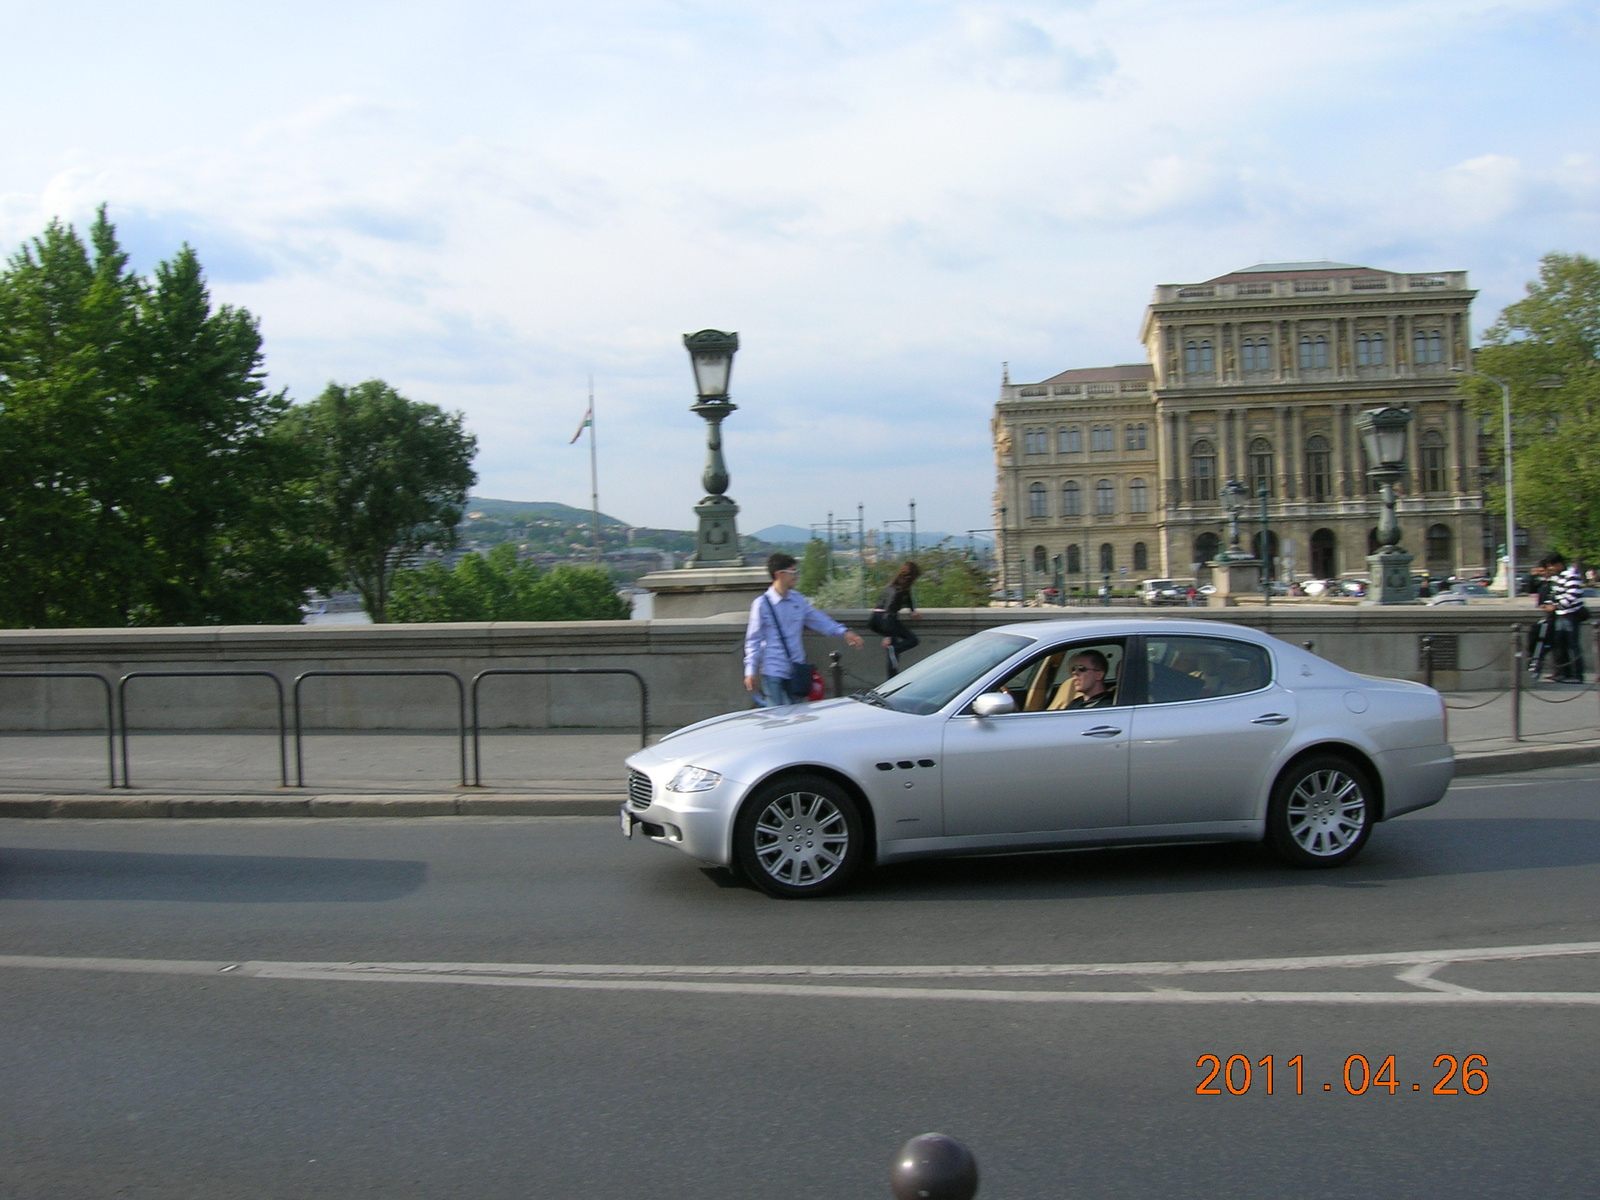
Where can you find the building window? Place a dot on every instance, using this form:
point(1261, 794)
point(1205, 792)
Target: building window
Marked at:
point(1138, 497)
point(1136, 437)
point(1206, 547)
point(1105, 500)
point(1074, 560)
point(1102, 438)
point(1069, 441)
point(1141, 557)
point(1434, 476)
point(1313, 352)
point(1260, 466)
point(1036, 500)
point(1247, 354)
point(1369, 350)
point(1033, 441)
point(1441, 556)
point(1071, 506)
point(1198, 358)
point(1041, 560)
point(1319, 474)
point(1203, 470)
point(1428, 347)
point(1108, 558)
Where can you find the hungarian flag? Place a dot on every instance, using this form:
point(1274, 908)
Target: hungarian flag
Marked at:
point(588, 420)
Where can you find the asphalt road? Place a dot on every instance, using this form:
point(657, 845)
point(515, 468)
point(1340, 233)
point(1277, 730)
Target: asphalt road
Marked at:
point(213, 1046)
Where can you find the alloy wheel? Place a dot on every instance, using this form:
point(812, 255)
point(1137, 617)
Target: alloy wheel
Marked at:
point(801, 838)
point(1327, 812)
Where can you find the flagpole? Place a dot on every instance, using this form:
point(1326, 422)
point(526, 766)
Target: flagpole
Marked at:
point(594, 476)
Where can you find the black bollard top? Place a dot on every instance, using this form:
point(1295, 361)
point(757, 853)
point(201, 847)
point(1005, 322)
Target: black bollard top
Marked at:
point(934, 1167)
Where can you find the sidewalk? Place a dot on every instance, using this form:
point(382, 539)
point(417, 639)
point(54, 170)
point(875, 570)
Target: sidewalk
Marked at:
point(549, 773)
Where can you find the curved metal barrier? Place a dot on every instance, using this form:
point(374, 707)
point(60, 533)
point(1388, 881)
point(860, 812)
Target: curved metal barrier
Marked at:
point(461, 709)
point(644, 703)
point(111, 745)
point(122, 709)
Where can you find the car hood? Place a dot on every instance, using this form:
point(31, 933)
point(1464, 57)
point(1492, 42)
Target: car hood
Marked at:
point(752, 731)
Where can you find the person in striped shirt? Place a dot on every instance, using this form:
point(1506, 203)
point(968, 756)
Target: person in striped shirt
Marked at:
point(1567, 610)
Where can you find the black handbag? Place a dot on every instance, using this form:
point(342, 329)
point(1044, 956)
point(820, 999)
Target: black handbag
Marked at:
point(801, 674)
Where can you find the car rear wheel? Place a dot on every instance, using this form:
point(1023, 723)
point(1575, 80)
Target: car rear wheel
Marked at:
point(800, 836)
point(1321, 812)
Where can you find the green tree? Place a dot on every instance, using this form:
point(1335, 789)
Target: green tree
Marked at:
point(813, 566)
point(1546, 346)
point(951, 578)
point(389, 479)
point(496, 587)
point(139, 481)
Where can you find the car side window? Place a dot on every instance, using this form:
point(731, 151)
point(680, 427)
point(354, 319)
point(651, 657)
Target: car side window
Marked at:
point(1078, 675)
point(1203, 668)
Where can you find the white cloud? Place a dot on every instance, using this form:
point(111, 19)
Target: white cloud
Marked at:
point(483, 204)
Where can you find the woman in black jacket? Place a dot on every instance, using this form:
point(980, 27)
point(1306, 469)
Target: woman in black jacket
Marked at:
point(897, 639)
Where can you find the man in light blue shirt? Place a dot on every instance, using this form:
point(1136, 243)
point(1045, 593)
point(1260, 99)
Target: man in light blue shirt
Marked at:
point(775, 637)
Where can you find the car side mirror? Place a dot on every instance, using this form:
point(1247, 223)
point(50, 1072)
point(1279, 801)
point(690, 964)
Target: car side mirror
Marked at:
point(994, 704)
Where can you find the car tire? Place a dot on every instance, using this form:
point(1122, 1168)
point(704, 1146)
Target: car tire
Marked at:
point(800, 836)
point(1321, 813)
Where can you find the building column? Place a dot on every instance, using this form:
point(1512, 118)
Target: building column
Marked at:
point(1341, 450)
point(1166, 450)
point(1413, 477)
point(1297, 438)
point(1180, 464)
point(1458, 442)
point(1285, 456)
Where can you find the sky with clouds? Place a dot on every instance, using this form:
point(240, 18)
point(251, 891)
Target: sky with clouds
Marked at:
point(483, 203)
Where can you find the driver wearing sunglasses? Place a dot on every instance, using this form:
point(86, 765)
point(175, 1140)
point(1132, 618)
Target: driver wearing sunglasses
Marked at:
point(1087, 671)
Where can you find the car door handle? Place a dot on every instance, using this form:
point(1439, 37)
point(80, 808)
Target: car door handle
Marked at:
point(1101, 731)
point(1270, 719)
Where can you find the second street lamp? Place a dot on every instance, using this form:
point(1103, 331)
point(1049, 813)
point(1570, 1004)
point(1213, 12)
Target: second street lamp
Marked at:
point(1383, 434)
point(1511, 495)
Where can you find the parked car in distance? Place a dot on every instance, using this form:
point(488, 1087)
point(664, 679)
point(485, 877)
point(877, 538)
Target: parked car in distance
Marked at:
point(1164, 591)
point(1051, 735)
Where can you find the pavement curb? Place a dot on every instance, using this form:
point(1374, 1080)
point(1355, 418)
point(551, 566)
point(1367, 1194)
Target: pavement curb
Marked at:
point(1526, 758)
point(125, 807)
point(112, 806)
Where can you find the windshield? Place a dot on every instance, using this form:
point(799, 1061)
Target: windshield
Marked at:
point(938, 679)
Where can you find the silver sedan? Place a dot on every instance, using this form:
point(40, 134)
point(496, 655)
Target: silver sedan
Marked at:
point(1051, 735)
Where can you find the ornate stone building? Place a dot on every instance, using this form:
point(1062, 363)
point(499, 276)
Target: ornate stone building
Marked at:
point(1257, 375)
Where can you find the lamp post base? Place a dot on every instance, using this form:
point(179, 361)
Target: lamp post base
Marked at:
point(1231, 577)
point(716, 542)
point(1390, 572)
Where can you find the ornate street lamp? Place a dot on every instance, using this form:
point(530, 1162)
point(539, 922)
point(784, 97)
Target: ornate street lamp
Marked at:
point(1383, 434)
point(716, 541)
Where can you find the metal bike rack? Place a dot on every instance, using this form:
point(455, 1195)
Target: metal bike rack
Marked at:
point(461, 709)
point(111, 745)
point(122, 709)
point(644, 702)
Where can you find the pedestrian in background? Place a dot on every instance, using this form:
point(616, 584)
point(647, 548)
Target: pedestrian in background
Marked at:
point(897, 639)
point(1566, 606)
point(774, 640)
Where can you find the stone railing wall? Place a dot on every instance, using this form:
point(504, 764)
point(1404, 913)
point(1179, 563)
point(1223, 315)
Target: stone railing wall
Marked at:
point(693, 667)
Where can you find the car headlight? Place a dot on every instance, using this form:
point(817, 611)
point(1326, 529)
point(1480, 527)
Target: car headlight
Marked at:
point(694, 779)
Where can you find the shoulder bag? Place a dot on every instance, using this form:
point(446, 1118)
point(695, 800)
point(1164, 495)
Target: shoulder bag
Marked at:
point(804, 681)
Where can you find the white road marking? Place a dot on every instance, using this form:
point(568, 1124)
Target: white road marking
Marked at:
point(747, 979)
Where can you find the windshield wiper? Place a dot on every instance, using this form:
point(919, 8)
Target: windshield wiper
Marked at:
point(870, 696)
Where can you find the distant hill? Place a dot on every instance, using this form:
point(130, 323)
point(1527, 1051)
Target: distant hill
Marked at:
point(778, 534)
point(534, 510)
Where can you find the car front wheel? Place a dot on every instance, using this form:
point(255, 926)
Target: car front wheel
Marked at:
point(1321, 812)
point(800, 836)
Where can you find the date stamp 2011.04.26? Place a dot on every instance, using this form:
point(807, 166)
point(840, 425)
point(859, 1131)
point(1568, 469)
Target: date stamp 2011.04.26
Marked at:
point(1237, 1074)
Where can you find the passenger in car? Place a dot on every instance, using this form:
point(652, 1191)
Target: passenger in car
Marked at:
point(1086, 686)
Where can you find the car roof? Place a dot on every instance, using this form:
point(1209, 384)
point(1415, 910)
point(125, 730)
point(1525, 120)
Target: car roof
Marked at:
point(1093, 627)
